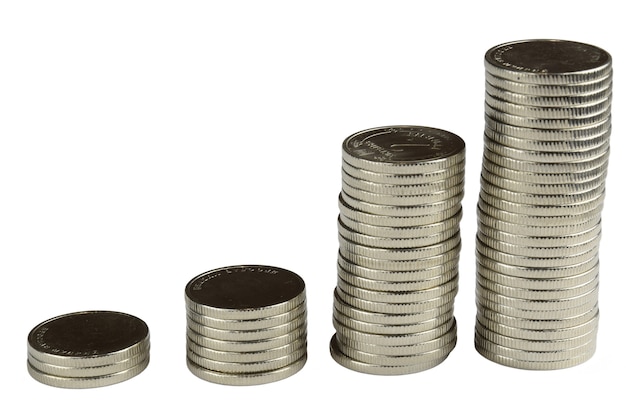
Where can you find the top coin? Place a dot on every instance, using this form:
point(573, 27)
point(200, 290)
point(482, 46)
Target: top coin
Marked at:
point(88, 338)
point(548, 61)
point(403, 149)
point(245, 292)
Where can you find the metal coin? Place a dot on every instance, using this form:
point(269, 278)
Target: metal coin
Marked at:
point(555, 283)
point(551, 90)
point(405, 179)
point(395, 221)
point(246, 379)
point(248, 325)
point(88, 339)
point(245, 292)
point(538, 334)
point(543, 123)
point(403, 265)
point(402, 211)
point(536, 365)
point(390, 318)
point(548, 61)
point(397, 297)
point(406, 254)
point(400, 350)
point(576, 100)
point(549, 113)
point(403, 149)
point(402, 200)
point(391, 329)
point(368, 368)
point(247, 335)
point(247, 346)
point(396, 308)
point(402, 189)
point(540, 325)
point(533, 294)
point(245, 367)
point(247, 357)
point(404, 232)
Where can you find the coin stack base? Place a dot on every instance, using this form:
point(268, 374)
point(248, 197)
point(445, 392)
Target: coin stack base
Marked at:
point(88, 349)
point(246, 325)
point(399, 245)
point(546, 148)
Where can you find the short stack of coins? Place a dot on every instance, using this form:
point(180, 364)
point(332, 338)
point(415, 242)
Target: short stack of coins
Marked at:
point(246, 325)
point(399, 246)
point(546, 150)
point(88, 349)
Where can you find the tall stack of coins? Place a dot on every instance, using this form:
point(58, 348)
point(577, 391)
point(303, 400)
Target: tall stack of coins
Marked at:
point(246, 325)
point(546, 150)
point(88, 349)
point(399, 246)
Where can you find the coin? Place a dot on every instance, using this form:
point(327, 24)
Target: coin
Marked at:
point(88, 349)
point(246, 324)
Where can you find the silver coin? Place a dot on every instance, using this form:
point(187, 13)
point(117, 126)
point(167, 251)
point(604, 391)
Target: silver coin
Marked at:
point(246, 367)
point(406, 339)
point(552, 90)
point(247, 346)
point(247, 335)
point(416, 232)
point(88, 339)
point(545, 167)
point(534, 357)
point(400, 350)
point(368, 368)
point(391, 242)
point(582, 224)
point(538, 334)
point(538, 295)
point(395, 286)
point(399, 276)
point(542, 123)
point(575, 208)
point(543, 178)
point(397, 297)
point(572, 239)
point(405, 254)
point(536, 365)
point(541, 325)
point(548, 61)
point(247, 357)
point(576, 100)
point(390, 318)
point(589, 298)
point(549, 112)
point(538, 220)
point(87, 382)
point(402, 211)
point(402, 189)
point(395, 221)
point(390, 360)
point(403, 149)
point(248, 325)
point(534, 283)
point(537, 262)
point(546, 157)
point(540, 199)
point(391, 329)
point(542, 145)
point(402, 265)
point(538, 251)
point(396, 308)
point(245, 292)
point(536, 345)
point(405, 179)
point(246, 379)
point(90, 371)
point(555, 314)
point(402, 200)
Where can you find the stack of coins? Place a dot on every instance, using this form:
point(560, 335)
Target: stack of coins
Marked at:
point(88, 349)
point(546, 149)
point(246, 325)
point(399, 246)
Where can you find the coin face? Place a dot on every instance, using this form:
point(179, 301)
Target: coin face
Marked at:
point(87, 334)
point(547, 56)
point(403, 144)
point(244, 287)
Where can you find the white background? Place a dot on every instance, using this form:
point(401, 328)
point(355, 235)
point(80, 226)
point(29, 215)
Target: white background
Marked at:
point(146, 142)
